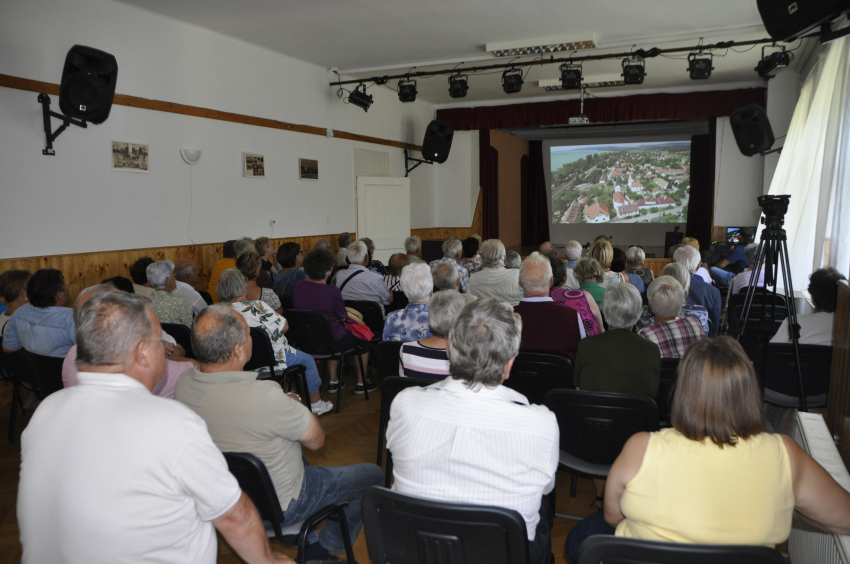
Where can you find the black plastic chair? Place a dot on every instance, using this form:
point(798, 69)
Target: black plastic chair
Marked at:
point(406, 530)
point(390, 388)
point(781, 376)
point(262, 356)
point(45, 373)
point(739, 298)
point(206, 296)
point(10, 366)
point(608, 549)
point(182, 335)
point(386, 358)
point(666, 385)
point(594, 427)
point(534, 374)
point(311, 332)
point(400, 301)
point(254, 479)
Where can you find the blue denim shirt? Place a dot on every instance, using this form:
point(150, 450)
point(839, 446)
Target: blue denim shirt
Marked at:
point(46, 331)
point(408, 324)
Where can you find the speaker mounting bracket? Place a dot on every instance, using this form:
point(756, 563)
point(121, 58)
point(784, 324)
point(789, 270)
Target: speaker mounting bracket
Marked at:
point(763, 153)
point(50, 135)
point(408, 159)
point(827, 35)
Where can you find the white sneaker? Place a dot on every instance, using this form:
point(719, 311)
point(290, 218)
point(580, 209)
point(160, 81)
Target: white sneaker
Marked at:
point(322, 407)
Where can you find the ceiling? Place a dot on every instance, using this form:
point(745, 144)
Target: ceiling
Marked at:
point(364, 38)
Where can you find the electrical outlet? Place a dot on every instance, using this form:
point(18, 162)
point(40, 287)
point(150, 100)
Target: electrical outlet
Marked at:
point(271, 221)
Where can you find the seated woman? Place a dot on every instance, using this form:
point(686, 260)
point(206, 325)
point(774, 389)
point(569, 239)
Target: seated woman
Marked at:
point(602, 251)
point(314, 294)
point(232, 288)
point(471, 260)
point(289, 256)
point(411, 323)
point(716, 476)
point(579, 300)
point(672, 332)
point(589, 274)
point(266, 250)
point(618, 265)
point(427, 358)
point(635, 258)
point(698, 312)
point(701, 271)
point(512, 259)
point(250, 265)
point(392, 280)
point(13, 290)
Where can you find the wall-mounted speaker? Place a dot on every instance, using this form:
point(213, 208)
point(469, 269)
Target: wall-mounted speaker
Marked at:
point(786, 20)
point(751, 129)
point(88, 84)
point(438, 141)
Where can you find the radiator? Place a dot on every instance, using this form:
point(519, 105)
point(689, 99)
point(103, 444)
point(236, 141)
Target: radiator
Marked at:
point(812, 547)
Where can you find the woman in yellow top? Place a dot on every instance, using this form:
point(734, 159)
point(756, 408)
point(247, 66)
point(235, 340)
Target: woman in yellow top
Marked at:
point(716, 476)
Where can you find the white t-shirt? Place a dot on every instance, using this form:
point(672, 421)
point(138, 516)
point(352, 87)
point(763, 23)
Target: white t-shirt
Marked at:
point(111, 473)
point(186, 291)
point(815, 329)
point(703, 273)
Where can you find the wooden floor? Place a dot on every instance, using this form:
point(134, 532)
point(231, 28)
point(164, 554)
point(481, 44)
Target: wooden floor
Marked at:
point(351, 438)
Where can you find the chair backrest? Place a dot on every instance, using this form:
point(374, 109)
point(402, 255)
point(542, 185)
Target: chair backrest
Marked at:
point(255, 481)
point(390, 388)
point(780, 374)
point(310, 331)
point(740, 298)
point(262, 353)
point(666, 384)
point(45, 372)
point(534, 374)
point(373, 317)
point(405, 530)
point(608, 549)
point(595, 425)
point(286, 303)
point(386, 358)
point(206, 296)
point(182, 335)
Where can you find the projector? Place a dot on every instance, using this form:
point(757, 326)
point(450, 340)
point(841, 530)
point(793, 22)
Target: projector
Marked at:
point(580, 119)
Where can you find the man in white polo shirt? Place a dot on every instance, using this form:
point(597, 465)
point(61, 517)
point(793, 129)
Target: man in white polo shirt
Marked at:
point(468, 439)
point(111, 473)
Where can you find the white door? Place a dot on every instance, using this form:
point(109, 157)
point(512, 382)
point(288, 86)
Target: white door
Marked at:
point(383, 213)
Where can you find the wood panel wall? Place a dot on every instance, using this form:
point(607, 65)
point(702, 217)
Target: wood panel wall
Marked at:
point(656, 265)
point(838, 411)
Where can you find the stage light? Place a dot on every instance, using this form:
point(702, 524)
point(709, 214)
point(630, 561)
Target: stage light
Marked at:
point(359, 98)
point(570, 76)
point(772, 63)
point(700, 69)
point(458, 85)
point(633, 70)
point(512, 81)
point(407, 90)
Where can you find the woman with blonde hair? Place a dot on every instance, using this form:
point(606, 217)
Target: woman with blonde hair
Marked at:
point(602, 251)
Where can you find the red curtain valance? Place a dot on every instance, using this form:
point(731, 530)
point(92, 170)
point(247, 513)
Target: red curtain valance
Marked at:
point(688, 105)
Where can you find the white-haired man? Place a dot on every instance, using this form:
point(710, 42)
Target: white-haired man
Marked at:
point(572, 251)
point(413, 248)
point(357, 282)
point(446, 276)
point(635, 258)
point(469, 439)
point(494, 280)
point(168, 307)
point(700, 293)
point(742, 280)
point(186, 274)
point(452, 252)
point(549, 250)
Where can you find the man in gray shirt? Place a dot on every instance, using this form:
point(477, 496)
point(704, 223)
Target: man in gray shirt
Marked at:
point(358, 283)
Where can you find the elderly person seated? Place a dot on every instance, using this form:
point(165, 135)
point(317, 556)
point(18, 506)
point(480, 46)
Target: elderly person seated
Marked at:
point(745, 484)
point(266, 250)
point(446, 276)
point(680, 273)
point(245, 245)
point(579, 300)
point(494, 280)
point(572, 252)
point(742, 280)
point(512, 259)
point(167, 307)
point(357, 282)
point(186, 273)
point(672, 331)
point(548, 249)
point(589, 275)
point(314, 294)
point(397, 262)
point(427, 358)
point(413, 249)
point(250, 265)
point(411, 323)
point(289, 257)
point(700, 293)
point(452, 252)
point(635, 258)
point(344, 240)
point(44, 325)
point(13, 290)
point(139, 274)
point(471, 246)
point(603, 252)
point(723, 271)
point(619, 265)
point(232, 288)
point(701, 271)
point(374, 264)
point(816, 328)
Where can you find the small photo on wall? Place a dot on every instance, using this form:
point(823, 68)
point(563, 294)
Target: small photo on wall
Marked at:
point(131, 157)
point(309, 169)
point(253, 165)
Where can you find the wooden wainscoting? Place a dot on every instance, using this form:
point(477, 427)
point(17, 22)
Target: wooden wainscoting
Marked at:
point(443, 233)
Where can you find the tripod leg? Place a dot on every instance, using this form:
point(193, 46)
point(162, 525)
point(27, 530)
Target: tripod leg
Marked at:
point(792, 320)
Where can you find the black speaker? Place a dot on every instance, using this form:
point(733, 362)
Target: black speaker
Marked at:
point(786, 20)
point(438, 141)
point(751, 129)
point(88, 84)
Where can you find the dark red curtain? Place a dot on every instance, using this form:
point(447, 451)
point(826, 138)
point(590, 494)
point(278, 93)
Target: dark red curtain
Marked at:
point(701, 202)
point(535, 212)
point(688, 105)
point(488, 168)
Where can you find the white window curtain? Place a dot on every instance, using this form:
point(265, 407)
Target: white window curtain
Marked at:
point(813, 168)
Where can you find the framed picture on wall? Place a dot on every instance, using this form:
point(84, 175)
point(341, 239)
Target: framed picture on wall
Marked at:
point(309, 169)
point(253, 165)
point(132, 157)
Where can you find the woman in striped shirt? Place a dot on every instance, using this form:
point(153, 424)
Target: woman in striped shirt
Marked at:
point(427, 358)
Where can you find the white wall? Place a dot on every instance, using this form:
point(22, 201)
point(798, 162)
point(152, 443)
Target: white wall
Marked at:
point(738, 181)
point(456, 182)
point(77, 204)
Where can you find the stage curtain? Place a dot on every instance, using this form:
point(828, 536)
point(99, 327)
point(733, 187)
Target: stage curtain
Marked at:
point(488, 162)
point(701, 201)
point(535, 211)
point(688, 105)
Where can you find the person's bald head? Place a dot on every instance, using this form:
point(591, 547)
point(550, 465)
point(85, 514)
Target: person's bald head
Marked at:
point(548, 249)
point(221, 338)
point(186, 271)
point(92, 291)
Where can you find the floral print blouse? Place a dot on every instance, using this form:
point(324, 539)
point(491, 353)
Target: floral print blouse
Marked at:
point(258, 314)
point(408, 324)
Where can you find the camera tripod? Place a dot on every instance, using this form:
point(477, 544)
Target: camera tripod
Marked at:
point(772, 255)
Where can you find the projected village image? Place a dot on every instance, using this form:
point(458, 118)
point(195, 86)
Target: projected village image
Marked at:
point(624, 183)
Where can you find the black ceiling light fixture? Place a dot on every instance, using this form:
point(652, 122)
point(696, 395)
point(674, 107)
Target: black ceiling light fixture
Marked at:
point(570, 76)
point(772, 63)
point(458, 85)
point(512, 80)
point(634, 70)
point(700, 65)
point(407, 90)
point(359, 98)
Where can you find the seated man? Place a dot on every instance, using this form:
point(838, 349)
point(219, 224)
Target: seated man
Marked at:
point(549, 250)
point(742, 280)
point(357, 282)
point(43, 326)
point(139, 274)
point(413, 248)
point(344, 240)
point(468, 439)
point(244, 414)
point(816, 328)
point(374, 264)
point(723, 271)
point(186, 275)
point(452, 253)
point(494, 280)
point(672, 331)
point(167, 307)
point(111, 473)
point(635, 258)
point(512, 260)
point(700, 293)
point(446, 276)
point(572, 250)
point(546, 326)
